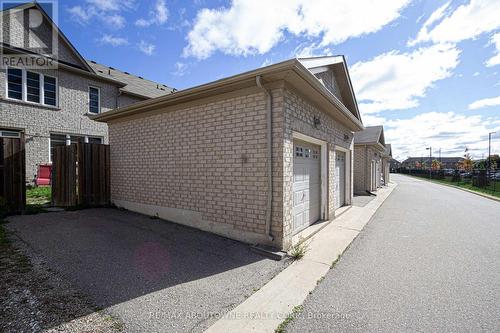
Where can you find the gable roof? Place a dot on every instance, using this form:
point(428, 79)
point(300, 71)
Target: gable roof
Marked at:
point(128, 83)
point(339, 66)
point(54, 26)
point(135, 85)
point(388, 149)
point(291, 71)
point(371, 135)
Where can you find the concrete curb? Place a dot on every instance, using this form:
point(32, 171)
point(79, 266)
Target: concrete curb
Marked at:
point(484, 195)
point(269, 306)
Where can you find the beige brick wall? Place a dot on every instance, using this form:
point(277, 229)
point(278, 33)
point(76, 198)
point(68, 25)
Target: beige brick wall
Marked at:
point(299, 117)
point(363, 156)
point(206, 162)
point(361, 170)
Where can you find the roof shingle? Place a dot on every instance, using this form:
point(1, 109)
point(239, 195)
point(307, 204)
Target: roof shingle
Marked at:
point(135, 85)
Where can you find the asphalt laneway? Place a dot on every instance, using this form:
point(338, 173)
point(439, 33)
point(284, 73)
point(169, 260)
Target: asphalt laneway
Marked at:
point(154, 275)
point(428, 261)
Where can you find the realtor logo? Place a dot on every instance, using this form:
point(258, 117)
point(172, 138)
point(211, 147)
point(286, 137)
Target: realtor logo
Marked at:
point(28, 37)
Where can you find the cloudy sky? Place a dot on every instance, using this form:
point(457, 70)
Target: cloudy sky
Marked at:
point(427, 70)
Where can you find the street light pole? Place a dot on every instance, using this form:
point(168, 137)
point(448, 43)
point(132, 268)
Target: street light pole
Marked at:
point(430, 161)
point(489, 151)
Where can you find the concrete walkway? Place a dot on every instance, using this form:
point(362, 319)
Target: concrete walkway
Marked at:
point(269, 306)
point(428, 261)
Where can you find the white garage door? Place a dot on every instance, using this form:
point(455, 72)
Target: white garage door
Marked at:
point(339, 188)
point(378, 174)
point(306, 185)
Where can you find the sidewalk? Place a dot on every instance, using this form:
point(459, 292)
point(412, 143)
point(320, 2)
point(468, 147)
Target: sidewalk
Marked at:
point(269, 306)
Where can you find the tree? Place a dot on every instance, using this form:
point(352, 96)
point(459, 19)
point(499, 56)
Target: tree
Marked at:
point(466, 164)
point(436, 165)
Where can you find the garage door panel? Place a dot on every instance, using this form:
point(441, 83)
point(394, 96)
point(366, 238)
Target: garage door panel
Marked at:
point(306, 185)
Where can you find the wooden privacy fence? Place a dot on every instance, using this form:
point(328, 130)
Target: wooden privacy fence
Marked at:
point(12, 175)
point(80, 175)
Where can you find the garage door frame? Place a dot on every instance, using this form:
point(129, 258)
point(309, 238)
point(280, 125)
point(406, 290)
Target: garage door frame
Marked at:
point(323, 168)
point(348, 174)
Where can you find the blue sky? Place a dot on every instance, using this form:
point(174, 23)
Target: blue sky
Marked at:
point(427, 70)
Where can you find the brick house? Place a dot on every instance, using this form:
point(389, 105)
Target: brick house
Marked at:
point(386, 163)
point(51, 106)
point(369, 151)
point(424, 162)
point(258, 157)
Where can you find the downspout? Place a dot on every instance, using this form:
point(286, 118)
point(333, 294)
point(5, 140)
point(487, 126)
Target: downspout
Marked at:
point(368, 167)
point(269, 107)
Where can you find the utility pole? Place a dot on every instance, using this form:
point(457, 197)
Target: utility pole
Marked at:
point(430, 161)
point(489, 151)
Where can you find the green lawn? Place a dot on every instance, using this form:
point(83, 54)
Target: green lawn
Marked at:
point(38, 195)
point(492, 189)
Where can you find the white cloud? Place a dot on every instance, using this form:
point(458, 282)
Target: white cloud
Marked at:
point(465, 22)
point(255, 26)
point(266, 62)
point(495, 60)
point(113, 40)
point(180, 69)
point(146, 48)
point(111, 5)
point(81, 15)
point(396, 80)
point(476, 74)
point(372, 120)
point(482, 103)
point(115, 21)
point(159, 15)
point(450, 132)
point(104, 10)
point(311, 50)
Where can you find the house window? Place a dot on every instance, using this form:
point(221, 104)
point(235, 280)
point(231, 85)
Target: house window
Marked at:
point(299, 151)
point(50, 90)
point(33, 87)
point(15, 83)
point(9, 134)
point(94, 102)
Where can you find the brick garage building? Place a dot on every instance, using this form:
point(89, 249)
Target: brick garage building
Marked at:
point(257, 157)
point(369, 155)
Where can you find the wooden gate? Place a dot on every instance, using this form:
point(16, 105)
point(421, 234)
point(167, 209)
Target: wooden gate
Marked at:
point(12, 175)
point(81, 175)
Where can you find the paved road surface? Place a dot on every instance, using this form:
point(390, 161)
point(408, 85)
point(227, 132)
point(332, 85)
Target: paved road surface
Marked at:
point(428, 261)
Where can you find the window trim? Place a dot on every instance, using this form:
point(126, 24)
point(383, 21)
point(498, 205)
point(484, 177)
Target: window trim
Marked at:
point(7, 84)
point(24, 87)
point(57, 90)
point(41, 80)
point(16, 136)
point(98, 100)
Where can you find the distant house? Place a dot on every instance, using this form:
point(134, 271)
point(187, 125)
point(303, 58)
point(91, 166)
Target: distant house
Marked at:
point(50, 106)
point(425, 162)
point(369, 151)
point(394, 164)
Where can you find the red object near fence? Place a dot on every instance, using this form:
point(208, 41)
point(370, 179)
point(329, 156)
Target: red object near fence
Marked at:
point(44, 175)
